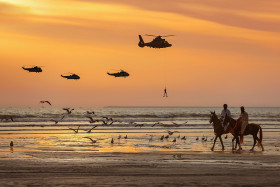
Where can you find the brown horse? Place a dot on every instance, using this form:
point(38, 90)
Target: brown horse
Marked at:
point(251, 128)
point(219, 131)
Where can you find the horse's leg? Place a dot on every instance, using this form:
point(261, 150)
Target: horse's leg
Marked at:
point(233, 143)
point(212, 149)
point(236, 138)
point(255, 141)
point(223, 148)
point(238, 142)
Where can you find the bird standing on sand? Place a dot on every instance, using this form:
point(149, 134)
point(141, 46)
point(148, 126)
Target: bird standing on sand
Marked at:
point(46, 102)
point(125, 137)
point(174, 140)
point(69, 111)
point(151, 138)
point(112, 141)
point(119, 137)
point(92, 141)
point(197, 138)
point(75, 130)
point(170, 132)
point(11, 144)
point(183, 138)
point(162, 137)
point(166, 137)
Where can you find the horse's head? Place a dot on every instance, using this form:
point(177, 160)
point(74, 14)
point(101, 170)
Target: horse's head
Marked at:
point(213, 117)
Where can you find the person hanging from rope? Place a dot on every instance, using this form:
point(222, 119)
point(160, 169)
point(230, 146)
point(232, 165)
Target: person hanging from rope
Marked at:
point(165, 93)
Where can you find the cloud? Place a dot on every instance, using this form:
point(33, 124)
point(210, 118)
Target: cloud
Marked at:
point(239, 13)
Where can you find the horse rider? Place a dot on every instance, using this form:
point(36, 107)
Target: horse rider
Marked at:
point(244, 120)
point(225, 112)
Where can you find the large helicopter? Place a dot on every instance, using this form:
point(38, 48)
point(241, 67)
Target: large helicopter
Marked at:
point(122, 73)
point(71, 76)
point(35, 69)
point(158, 42)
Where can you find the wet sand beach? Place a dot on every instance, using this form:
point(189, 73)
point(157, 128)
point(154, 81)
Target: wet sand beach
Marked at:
point(45, 154)
point(143, 169)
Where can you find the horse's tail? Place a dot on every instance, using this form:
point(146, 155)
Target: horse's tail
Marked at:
point(241, 139)
point(261, 137)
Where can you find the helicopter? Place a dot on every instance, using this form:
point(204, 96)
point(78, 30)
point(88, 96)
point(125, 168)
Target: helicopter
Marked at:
point(122, 73)
point(35, 69)
point(157, 42)
point(71, 76)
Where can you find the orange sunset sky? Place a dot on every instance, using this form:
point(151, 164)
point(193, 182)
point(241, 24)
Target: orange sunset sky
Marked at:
point(223, 52)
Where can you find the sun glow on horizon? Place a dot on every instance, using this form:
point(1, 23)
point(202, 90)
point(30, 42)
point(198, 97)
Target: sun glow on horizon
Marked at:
point(91, 37)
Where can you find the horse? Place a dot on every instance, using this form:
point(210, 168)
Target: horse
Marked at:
point(219, 131)
point(251, 128)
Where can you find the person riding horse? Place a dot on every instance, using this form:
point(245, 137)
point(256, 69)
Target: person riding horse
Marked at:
point(225, 112)
point(244, 119)
point(240, 127)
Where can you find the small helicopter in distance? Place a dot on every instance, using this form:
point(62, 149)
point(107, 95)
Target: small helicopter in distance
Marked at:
point(122, 73)
point(71, 76)
point(35, 69)
point(157, 42)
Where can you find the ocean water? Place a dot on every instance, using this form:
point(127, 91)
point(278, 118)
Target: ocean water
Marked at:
point(33, 131)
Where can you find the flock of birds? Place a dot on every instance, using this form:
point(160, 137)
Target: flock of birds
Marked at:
point(108, 121)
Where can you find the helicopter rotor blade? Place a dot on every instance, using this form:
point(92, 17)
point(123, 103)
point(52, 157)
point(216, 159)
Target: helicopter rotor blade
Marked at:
point(150, 35)
point(167, 35)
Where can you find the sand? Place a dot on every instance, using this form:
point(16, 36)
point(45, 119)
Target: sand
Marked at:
point(143, 169)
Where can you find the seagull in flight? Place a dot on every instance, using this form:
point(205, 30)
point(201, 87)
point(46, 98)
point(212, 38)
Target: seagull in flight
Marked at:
point(56, 121)
point(75, 130)
point(139, 125)
point(91, 120)
point(157, 123)
point(88, 112)
point(106, 122)
point(69, 111)
point(92, 141)
point(89, 131)
point(7, 118)
point(46, 102)
point(107, 118)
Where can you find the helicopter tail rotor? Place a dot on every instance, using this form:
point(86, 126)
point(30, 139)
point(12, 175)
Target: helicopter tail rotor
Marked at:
point(141, 42)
